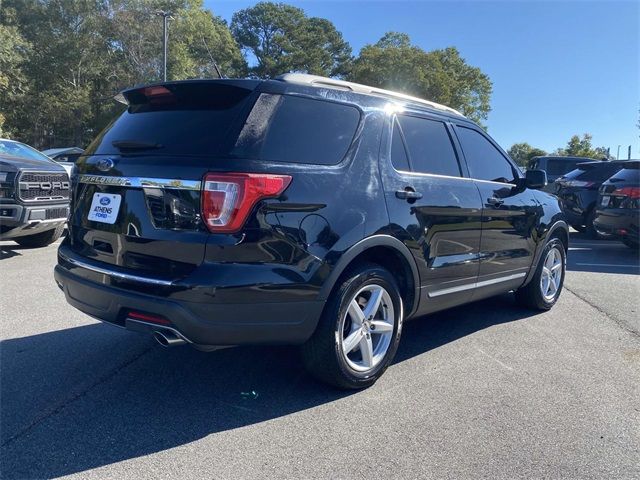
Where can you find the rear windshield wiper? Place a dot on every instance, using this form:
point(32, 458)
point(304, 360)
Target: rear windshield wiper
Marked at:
point(135, 145)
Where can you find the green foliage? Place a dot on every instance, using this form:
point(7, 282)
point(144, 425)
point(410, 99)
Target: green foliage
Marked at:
point(442, 76)
point(582, 147)
point(283, 39)
point(522, 153)
point(73, 56)
point(14, 51)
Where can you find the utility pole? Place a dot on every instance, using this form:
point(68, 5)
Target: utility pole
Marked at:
point(618, 154)
point(165, 36)
point(629, 153)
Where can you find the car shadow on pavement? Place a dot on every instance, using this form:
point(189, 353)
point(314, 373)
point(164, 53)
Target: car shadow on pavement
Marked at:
point(157, 399)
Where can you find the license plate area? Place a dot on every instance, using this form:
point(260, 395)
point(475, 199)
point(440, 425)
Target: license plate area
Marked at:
point(605, 201)
point(104, 208)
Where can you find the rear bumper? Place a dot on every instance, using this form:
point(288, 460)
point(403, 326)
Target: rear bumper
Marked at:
point(619, 222)
point(198, 322)
point(20, 221)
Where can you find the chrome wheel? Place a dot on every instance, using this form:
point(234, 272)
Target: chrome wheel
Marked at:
point(367, 328)
point(551, 274)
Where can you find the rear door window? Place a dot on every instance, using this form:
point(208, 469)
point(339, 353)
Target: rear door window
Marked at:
point(429, 146)
point(485, 161)
point(287, 128)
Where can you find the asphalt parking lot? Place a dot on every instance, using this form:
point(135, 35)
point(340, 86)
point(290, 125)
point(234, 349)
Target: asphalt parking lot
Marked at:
point(488, 390)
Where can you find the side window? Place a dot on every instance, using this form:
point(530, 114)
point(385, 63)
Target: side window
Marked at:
point(286, 128)
point(430, 148)
point(399, 158)
point(484, 160)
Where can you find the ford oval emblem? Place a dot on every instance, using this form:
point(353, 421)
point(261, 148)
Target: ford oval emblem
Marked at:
point(105, 164)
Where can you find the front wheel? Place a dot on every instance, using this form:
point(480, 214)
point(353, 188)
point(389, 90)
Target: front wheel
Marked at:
point(359, 331)
point(542, 292)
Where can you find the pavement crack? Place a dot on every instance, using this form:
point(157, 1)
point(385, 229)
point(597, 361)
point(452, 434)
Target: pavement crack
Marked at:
point(64, 403)
point(621, 324)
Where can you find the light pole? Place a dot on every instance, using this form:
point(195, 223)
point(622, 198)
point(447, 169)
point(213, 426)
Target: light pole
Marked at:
point(618, 154)
point(165, 36)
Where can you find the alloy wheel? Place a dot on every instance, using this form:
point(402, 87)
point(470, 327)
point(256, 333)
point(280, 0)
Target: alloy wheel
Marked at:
point(551, 274)
point(366, 329)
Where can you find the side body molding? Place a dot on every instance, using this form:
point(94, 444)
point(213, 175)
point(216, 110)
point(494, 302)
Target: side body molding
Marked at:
point(365, 244)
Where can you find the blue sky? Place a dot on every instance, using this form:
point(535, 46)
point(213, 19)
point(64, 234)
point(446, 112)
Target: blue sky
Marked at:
point(558, 67)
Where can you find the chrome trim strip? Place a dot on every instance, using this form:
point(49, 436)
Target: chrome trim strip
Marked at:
point(468, 286)
point(140, 182)
point(111, 273)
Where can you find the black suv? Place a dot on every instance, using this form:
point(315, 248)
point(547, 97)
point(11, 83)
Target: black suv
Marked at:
point(618, 209)
point(578, 193)
point(301, 210)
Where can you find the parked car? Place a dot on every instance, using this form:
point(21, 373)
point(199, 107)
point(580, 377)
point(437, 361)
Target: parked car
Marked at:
point(618, 210)
point(301, 210)
point(578, 193)
point(556, 166)
point(34, 198)
point(66, 157)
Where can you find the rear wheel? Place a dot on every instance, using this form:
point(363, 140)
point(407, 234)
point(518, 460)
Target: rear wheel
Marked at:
point(358, 333)
point(41, 239)
point(542, 292)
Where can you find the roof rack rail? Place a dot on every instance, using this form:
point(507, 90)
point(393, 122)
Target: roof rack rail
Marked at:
point(316, 80)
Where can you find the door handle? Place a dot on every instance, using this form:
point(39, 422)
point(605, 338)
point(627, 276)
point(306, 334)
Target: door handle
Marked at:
point(496, 202)
point(408, 194)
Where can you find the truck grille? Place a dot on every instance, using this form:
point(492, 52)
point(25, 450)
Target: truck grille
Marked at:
point(61, 212)
point(42, 186)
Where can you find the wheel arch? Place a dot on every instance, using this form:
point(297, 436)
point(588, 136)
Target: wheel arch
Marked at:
point(388, 252)
point(558, 229)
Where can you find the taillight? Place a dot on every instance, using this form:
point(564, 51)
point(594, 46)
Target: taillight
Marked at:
point(228, 198)
point(578, 183)
point(631, 192)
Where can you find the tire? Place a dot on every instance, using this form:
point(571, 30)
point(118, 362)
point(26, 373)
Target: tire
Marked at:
point(41, 239)
point(323, 354)
point(590, 230)
point(531, 295)
point(630, 243)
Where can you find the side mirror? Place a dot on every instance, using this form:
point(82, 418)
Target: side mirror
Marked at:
point(535, 179)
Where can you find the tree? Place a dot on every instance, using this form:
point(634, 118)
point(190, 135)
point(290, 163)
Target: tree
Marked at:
point(522, 153)
point(14, 51)
point(442, 75)
point(582, 147)
point(78, 54)
point(283, 39)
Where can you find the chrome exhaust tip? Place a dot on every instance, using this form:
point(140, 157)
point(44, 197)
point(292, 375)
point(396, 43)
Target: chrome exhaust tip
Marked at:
point(167, 338)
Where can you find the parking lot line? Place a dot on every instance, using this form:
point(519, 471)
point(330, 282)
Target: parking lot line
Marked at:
point(606, 265)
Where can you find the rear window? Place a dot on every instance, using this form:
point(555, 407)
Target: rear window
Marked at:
point(560, 167)
point(287, 128)
point(629, 174)
point(593, 172)
point(176, 119)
